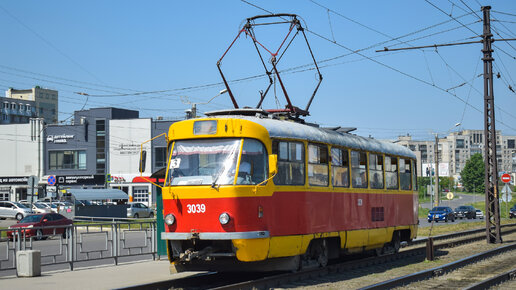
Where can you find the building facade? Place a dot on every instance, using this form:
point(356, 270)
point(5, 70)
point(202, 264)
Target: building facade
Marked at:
point(456, 149)
point(44, 102)
point(22, 150)
point(16, 111)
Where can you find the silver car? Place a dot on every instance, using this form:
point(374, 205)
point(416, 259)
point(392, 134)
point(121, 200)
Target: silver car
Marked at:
point(139, 210)
point(37, 207)
point(9, 209)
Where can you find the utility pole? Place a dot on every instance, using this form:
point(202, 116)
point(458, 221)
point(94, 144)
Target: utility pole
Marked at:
point(491, 171)
point(436, 160)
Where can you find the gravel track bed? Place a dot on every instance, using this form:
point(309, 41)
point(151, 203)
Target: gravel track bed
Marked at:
point(379, 273)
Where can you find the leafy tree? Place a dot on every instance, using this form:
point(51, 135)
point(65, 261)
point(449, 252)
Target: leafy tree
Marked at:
point(473, 174)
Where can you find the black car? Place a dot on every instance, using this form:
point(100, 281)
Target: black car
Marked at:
point(512, 212)
point(465, 211)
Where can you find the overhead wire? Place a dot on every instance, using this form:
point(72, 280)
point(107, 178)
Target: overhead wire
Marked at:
point(395, 69)
point(49, 43)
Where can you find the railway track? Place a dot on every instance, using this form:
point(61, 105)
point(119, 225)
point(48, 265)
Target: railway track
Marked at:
point(458, 270)
point(413, 254)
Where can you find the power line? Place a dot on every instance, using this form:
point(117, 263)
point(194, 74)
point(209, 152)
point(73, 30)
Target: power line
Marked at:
point(452, 17)
point(49, 43)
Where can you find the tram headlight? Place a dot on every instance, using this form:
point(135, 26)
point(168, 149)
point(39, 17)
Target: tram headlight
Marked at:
point(170, 219)
point(224, 218)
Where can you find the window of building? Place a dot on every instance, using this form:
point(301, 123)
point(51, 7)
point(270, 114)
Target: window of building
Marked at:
point(13, 106)
point(67, 159)
point(376, 170)
point(6, 105)
point(22, 107)
point(100, 132)
point(340, 167)
point(141, 194)
point(28, 108)
point(391, 172)
point(291, 162)
point(459, 143)
point(511, 144)
point(405, 174)
point(359, 169)
point(318, 165)
point(160, 155)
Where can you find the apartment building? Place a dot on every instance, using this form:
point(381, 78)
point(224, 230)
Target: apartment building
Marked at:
point(28, 103)
point(456, 149)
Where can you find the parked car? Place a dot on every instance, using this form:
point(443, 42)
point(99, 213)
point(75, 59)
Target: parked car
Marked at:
point(465, 211)
point(37, 207)
point(512, 212)
point(51, 206)
point(139, 210)
point(10, 209)
point(441, 213)
point(42, 225)
point(479, 214)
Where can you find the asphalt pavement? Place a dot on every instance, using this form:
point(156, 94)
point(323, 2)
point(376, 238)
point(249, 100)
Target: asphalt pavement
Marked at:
point(98, 278)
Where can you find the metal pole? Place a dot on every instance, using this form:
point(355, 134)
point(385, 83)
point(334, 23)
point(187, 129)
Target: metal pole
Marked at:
point(493, 231)
point(436, 158)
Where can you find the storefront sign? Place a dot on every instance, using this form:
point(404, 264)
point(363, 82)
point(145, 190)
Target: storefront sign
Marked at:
point(59, 139)
point(96, 179)
point(127, 149)
point(14, 180)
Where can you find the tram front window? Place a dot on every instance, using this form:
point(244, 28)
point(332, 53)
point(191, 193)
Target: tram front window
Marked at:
point(204, 162)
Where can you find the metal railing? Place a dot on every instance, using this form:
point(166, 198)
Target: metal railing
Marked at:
point(80, 242)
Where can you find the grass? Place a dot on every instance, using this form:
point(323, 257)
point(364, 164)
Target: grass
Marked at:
point(452, 228)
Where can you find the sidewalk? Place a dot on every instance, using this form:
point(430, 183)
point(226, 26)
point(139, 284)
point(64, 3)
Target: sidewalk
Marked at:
point(100, 277)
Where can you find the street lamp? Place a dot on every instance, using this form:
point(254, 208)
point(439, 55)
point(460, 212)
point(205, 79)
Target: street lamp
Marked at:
point(436, 160)
point(192, 113)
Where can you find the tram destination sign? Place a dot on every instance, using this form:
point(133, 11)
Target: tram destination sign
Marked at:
point(94, 179)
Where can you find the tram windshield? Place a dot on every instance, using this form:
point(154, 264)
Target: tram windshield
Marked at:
point(214, 162)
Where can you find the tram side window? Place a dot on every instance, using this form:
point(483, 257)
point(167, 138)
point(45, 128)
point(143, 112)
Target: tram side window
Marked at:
point(405, 174)
point(359, 169)
point(376, 170)
point(253, 164)
point(414, 174)
point(391, 172)
point(318, 165)
point(291, 162)
point(340, 167)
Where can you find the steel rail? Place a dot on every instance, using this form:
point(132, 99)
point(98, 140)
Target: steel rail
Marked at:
point(277, 280)
point(439, 271)
point(493, 281)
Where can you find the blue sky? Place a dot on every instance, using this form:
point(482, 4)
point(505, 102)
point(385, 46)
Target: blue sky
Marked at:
point(114, 49)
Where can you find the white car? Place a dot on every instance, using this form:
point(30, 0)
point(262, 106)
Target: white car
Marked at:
point(37, 207)
point(10, 209)
point(479, 214)
point(51, 206)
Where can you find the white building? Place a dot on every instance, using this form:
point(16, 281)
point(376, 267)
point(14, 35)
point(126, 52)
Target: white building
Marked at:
point(125, 139)
point(21, 156)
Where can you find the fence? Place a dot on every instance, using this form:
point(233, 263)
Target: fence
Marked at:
point(79, 242)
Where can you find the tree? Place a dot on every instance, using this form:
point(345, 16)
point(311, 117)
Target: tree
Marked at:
point(473, 174)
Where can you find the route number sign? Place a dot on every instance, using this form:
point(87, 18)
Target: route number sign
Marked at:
point(506, 178)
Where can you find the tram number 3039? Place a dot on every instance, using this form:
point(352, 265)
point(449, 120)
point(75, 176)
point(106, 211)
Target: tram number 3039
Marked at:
point(196, 208)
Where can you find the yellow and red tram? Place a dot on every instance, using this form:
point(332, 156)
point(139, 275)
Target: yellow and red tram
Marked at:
point(261, 193)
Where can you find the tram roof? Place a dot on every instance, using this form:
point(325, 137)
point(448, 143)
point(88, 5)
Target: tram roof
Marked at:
point(289, 129)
